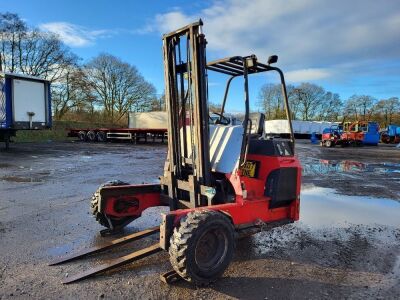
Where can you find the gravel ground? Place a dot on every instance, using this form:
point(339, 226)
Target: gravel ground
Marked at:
point(346, 245)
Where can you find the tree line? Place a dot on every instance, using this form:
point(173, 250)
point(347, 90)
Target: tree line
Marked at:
point(312, 102)
point(105, 87)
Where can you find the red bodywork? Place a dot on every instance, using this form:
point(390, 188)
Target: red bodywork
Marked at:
point(250, 207)
point(254, 207)
point(331, 137)
point(138, 198)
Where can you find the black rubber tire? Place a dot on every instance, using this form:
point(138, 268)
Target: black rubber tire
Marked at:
point(94, 206)
point(82, 135)
point(188, 259)
point(101, 136)
point(328, 143)
point(91, 136)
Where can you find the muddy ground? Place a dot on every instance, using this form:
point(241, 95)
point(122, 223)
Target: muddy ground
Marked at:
point(347, 244)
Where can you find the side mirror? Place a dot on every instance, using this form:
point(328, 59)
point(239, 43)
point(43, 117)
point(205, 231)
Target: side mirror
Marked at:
point(272, 59)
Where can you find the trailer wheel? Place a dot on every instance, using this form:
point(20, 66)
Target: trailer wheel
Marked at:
point(82, 135)
point(202, 247)
point(91, 136)
point(101, 136)
point(101, 217)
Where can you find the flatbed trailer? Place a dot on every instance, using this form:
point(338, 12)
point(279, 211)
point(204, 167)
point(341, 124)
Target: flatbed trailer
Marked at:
point(110, 134)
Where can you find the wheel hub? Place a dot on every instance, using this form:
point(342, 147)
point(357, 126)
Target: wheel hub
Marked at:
point(211, 249)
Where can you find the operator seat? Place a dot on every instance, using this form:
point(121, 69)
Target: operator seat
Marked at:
point(257, 124)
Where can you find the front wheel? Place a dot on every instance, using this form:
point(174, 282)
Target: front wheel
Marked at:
point(101, 218)
point(202, 247)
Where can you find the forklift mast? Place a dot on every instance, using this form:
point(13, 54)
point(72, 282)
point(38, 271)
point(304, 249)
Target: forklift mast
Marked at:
point(187, 174)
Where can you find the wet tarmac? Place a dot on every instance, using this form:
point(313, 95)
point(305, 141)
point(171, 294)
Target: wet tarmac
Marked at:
point(346, 245)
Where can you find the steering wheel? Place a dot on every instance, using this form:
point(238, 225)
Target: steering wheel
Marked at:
point(222, 119)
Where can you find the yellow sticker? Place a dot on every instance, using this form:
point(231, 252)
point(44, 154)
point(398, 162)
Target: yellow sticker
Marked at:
point(249, 169)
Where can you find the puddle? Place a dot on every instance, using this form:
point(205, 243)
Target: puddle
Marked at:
point(332, 227)
point(323, 166)
point(60, 250)
point(323, 207)
point(20, 179)
point(86, 157)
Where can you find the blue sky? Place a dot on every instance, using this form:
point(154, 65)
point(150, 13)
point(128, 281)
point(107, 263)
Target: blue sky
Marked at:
point(348, 47)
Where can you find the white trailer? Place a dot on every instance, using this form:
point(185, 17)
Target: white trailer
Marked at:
point(141, 126)
point(148, 120)
point(300, 128)
point(25, 104)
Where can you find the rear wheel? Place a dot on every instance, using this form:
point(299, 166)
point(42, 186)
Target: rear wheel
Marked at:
point(202, 247)
point(101, 136)
point(101, 218)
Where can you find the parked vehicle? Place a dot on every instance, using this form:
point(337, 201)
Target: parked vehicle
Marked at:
point(390, 135)
point(142, 126)
point(351, 134)
point(25, 104)
point(332, 136)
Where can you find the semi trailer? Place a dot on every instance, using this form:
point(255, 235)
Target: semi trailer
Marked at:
point(141, 127)
point(25, 104)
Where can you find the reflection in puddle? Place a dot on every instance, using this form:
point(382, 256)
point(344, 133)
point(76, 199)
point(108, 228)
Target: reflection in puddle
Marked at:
point(323, 166)
point(322, 207)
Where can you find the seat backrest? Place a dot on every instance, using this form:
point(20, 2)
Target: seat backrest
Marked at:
point(257, 123)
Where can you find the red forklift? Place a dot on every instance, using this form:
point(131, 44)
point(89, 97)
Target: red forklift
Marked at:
point(219, 180)
point(332, 136)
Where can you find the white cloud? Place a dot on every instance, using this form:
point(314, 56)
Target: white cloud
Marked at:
point(307, 75)
point(310, 36)
point(74, 35)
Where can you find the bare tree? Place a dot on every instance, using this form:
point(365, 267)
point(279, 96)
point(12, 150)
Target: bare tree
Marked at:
point(388, 108)
point(359, 107)
point(44, 55)
point(271, 100)
point(331, 107)
point(32, 52)
point(307, 102)
point(71, 92)
point(311, 97)
point(118, 86)
point(12, 31)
